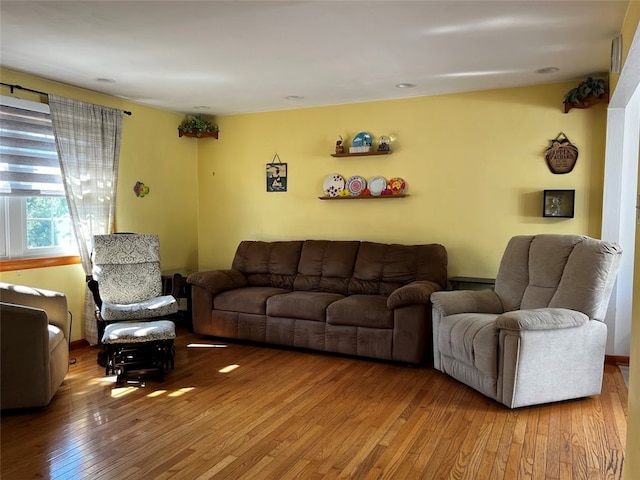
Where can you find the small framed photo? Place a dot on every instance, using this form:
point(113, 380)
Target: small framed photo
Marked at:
point(276, 175)
point(558, 203)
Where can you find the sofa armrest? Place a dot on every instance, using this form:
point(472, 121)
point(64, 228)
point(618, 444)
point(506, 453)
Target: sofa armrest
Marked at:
point(24, 347)
point(53, 303)
point(541, 319)
point(216, 281)
point(412, 293)
point(466, 301)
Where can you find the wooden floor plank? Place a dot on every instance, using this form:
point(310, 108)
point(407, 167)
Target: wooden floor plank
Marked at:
point(288, 414)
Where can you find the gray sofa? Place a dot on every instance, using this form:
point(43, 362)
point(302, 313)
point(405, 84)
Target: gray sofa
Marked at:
point(35, 327)
point(539, 337)
point(358, 298)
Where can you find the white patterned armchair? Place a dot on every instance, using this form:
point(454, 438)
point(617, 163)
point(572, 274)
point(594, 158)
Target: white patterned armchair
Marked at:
point(539, 337)
point(127, 283)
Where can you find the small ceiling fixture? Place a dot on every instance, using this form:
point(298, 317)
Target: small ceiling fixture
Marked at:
point(294, 97)
point(105, 80)
point(202, 107)
point(405, 85)
point(546, 70)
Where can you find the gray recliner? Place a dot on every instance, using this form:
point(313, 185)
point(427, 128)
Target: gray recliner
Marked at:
point(539, 336)
point(35, 327)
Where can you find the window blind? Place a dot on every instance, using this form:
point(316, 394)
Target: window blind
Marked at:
point(28, 158)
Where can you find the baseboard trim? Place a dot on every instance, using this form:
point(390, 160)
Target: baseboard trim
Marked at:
point(616, 360)
point(78, 344)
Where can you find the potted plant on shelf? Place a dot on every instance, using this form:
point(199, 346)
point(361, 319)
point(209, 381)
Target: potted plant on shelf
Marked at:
point(197, 126)
point(586, 94)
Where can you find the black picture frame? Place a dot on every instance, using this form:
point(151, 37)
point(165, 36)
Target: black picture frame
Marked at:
point(558, 203)
point(276, 177)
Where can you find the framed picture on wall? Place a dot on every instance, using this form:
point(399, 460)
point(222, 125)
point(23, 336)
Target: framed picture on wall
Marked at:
point(558, 203)
point(276, 176)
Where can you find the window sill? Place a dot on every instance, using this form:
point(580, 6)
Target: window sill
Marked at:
point(27, 263)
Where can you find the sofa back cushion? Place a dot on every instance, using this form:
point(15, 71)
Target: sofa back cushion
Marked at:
point(326, 266)
point(273, 264)
point(558, 271)
point(381, 268)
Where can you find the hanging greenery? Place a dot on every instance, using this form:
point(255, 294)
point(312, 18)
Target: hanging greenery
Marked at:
point(197, 125)
point(591, 87)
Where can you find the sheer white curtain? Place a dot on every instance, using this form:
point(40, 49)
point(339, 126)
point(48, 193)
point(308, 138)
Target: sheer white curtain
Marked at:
point(88, 143)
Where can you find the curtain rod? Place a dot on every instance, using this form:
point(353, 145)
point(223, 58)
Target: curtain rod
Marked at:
point(19, 87)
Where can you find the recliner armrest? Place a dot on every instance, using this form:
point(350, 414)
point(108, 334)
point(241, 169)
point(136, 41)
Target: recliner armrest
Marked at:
point(541, 319)
point(412, 293)
point(25, 379)
point(466, 301)
point(217, 281)
point(52, 302)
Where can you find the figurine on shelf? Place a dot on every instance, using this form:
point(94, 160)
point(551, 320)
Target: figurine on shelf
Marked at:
point(384, 144)
point(339, 146)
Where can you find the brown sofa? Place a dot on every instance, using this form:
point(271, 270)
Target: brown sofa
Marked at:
point(357, 298)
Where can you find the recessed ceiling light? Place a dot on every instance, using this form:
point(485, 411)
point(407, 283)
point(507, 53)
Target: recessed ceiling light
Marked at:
point(105, 80)
point(202, 107)
point(546, 70)
point(294, 97)
point(405, 85)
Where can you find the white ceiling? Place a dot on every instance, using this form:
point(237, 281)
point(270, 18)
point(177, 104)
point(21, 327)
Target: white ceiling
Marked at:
point(247, 56)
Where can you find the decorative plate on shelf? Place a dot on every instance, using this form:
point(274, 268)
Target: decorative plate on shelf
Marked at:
point(356, 184)
point(362, 139)
point(377, 185)
point(397, 185)
point(333, 185)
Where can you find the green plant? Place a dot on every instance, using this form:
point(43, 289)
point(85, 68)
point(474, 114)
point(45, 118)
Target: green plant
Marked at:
point(591, 87)
point(198, 125)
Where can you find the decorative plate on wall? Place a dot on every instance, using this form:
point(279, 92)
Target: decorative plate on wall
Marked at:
point(356, 184)
point(397, 185)
point(362, 139)
point(377, 185)
point(333, 185)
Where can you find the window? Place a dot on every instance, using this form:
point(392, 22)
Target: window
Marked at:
point(34, 216)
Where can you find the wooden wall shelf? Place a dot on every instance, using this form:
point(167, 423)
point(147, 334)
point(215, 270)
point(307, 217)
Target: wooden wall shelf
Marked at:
point(587, 102)
point(362, 154)
point(197, 135)
point(367, 197)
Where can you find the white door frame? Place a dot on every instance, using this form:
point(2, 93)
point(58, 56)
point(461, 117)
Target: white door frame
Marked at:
point(620, 194)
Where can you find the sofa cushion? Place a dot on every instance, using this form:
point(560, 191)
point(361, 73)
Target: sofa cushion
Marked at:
point(155, 307)
point(471, 339)
point(268, 263)
point(361, 311)
point(303, 305)
point(381, 268)
point(246, 299)
point(55, 337)
point(326, 266)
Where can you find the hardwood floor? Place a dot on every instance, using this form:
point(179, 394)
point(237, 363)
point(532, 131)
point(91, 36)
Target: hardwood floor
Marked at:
point(253, 412)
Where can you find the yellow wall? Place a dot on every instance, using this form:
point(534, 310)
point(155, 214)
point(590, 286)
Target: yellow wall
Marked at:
point(151, 152)
point(474, 164)
point(632, 460)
